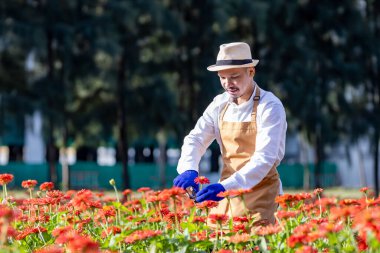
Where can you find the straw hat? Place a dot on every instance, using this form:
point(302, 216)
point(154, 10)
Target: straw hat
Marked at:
point(233, 55)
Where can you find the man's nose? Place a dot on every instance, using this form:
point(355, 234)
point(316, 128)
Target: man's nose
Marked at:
point(228, 81)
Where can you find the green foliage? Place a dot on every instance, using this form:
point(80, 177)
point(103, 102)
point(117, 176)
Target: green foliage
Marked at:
point(319, 57)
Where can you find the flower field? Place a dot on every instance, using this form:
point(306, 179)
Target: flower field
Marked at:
point(50, 220)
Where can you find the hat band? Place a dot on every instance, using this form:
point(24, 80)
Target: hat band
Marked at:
point(232, 62)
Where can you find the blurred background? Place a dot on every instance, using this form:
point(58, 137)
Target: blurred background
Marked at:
point(97, 89)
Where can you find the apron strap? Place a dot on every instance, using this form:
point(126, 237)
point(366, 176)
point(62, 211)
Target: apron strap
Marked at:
point(256, 101)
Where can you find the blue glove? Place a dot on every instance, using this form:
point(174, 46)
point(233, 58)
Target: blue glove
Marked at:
point(210, 192)
point(186, 179)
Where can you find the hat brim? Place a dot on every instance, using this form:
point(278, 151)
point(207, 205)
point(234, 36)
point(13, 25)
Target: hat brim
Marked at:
point(222, 67)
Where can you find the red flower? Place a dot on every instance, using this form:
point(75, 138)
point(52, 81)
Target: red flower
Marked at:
point(318, 191)
point(50, 249)
point(207, 204)
point(27, 231)
point(47, 186)
point(241, 219)
point(240, 228)
point(218, 218)
point(109, 211)
point(28, 183)
point(364, 189)
point(238, 238)
point(113, 230)
point(281, 214)
point(6, 178)
point(269, 230)
point(224, 251)
point(127, 192)
point(306, 249)
point(85, 199)
point(140, 235)
point(144, 189)
point(83, 244)
point(199, 219)
point(201, 180)
point(199, 236)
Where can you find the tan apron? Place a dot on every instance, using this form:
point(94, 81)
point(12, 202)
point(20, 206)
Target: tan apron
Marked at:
point(238, 146)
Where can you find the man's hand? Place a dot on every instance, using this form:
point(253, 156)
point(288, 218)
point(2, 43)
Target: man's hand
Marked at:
point(210, 192)
point(186, 179)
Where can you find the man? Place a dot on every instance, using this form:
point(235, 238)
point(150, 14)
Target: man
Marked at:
point(249, 125)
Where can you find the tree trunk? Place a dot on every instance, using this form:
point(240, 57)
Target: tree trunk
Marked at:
point(376, 160)
point(122, 124)
point(51, 148)
point(161, 137)
point(373, 8)
point(318, 157)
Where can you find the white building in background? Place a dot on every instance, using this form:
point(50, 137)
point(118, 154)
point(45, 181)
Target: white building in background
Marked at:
point(34, 147)
point(355, 163)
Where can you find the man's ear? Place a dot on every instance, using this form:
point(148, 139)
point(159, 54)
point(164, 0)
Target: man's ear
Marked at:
point(251, 71)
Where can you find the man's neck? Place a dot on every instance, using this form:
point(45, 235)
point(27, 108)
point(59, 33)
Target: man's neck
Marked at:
point(245, 97)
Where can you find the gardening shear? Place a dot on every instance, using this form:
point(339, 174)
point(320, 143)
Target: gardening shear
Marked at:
point(191, 193)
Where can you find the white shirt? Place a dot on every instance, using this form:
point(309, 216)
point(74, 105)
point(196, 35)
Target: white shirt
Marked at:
point(270, 139)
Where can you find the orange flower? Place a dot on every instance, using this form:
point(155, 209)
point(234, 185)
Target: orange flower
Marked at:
point(224, 251)
point(286, 214)
point(113, 230)
point(306, 249)
point(6, 178)
point(82, 243)
point(50, 249)
point(140, 235)
point(199, 236)
point(85, 199)
point(47, 186)
point(269, 230)
point(144, 189)
point(127, 192)
point(27, 231)
point(201, 180)
point(109, 211)
point(218, 218)
point(226, 194)
point(175, 191)
point(28, 183)
point(207, 204)
point(238, 238)
point(239, 192)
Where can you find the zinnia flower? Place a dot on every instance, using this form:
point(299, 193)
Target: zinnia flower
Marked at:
point(364, 189)
point(201, 180)
point(218, 218)
point(47, 186)
point(28, 183)
point(6, 178)
point(318, 191)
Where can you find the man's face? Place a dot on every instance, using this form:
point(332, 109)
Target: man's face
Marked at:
point(237, 82)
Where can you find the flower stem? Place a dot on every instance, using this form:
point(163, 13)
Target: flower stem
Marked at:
point(118, 217)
